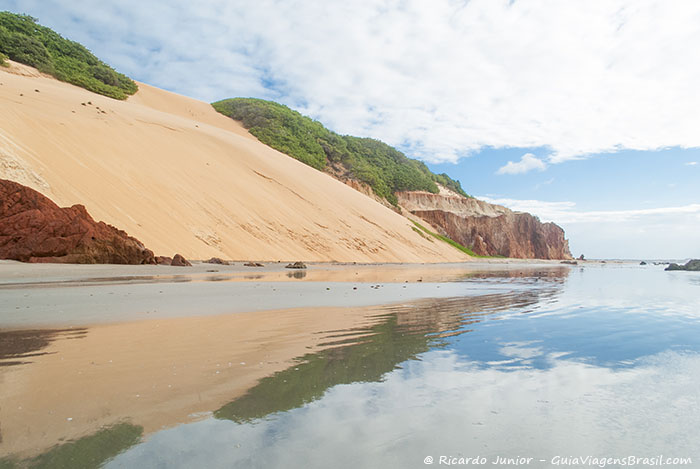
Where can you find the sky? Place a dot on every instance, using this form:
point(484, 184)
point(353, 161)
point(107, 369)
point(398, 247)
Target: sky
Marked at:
point(585, 113)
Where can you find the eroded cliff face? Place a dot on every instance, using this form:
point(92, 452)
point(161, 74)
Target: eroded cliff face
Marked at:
point(489, 230)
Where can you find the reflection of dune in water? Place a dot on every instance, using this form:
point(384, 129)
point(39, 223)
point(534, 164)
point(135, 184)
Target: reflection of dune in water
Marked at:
point(18, 347)
point(365, 354)
point(160, 373)
point(445, 405)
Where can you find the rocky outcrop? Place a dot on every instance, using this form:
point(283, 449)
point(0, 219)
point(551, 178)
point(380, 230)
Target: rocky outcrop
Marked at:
point(692, 265)
point(179, 261)
point(34, 229)
point(216, 260)
point(489, 230)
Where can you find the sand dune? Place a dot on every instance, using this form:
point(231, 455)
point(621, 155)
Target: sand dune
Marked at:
point(175, 174)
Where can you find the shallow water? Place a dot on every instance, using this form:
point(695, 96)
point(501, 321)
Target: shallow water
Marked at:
point(548, 364)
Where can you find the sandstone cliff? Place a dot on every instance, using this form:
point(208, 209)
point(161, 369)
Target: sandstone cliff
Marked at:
point(34, 229)
point(489, 230)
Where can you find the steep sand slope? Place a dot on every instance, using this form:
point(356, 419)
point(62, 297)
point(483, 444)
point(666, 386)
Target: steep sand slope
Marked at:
point(178, 176)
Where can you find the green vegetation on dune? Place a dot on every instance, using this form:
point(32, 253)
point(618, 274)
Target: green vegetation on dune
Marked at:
point(385, 169)
point(25, 41)
point(449, 241)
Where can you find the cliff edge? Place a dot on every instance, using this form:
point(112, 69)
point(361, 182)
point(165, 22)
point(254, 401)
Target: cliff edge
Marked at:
point(487, 229)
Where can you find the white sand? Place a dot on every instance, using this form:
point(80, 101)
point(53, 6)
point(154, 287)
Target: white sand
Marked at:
point(180, 177)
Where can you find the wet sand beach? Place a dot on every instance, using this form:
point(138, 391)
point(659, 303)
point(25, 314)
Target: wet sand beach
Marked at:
point(55, 296)
point(88, 347)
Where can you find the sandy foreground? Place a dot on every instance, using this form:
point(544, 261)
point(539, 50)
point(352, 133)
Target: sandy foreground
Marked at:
point(180, 177)
point(88, 346)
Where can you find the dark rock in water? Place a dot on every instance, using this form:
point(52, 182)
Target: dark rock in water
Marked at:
point(581, 258)
point(642, 263)
point(216, 260)
point(180, 261)
point(253, 264)
point(34, 229)
point(570, 262)
point(692, 265)
point(164, 260)
point(296, 265)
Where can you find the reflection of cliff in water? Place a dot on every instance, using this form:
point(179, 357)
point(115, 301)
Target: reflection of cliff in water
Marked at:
point(366, 354)
point(17, 346)
point(557, 274)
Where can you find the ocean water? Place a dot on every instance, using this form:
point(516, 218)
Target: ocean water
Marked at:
point(595, 366)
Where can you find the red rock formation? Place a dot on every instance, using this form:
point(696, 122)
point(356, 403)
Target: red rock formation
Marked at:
point(180, 261)
point(164, 260)
point(489, 230)
point(34, 229)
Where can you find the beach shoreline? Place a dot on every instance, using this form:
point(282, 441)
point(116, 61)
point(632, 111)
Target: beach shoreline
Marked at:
point(58, 295)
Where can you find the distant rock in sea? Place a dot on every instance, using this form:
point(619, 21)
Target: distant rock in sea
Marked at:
point(296, 265)
point(692, 265)
point(35, 229)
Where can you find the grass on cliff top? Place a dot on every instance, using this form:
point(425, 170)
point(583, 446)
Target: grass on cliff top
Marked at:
point(25, 41)
point(450, 241)
point(385, 169)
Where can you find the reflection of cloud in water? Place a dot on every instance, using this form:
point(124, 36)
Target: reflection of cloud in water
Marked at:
point(442, 405)
point(518, 354)
point(629, 289)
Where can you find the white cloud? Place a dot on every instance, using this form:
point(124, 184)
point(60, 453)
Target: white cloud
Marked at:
point(663, 232)
point(691, 163)
point(442, 78)
point(545, 183)
point(564, 212)
point(527, 163)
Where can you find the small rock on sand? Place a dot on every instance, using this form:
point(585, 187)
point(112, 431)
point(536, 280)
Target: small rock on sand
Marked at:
point(180, 261)
point(217, 260)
